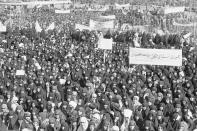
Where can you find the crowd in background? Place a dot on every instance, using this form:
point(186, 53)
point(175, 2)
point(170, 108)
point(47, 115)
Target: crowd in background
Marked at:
point(66, 83)
point(134, 15)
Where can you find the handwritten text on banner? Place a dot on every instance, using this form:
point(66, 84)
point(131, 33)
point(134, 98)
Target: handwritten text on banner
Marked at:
point(169, 10)
point(97, 25)
point(168, 57)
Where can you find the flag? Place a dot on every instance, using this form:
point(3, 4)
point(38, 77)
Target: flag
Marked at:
point(38, 28)
point(51, 27)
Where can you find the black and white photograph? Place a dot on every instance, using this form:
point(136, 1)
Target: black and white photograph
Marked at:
point(98, 65)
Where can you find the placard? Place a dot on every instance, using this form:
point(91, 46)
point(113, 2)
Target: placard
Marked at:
point(20, 72)
point(105, 44)
point(169, 10)
point(168, 57)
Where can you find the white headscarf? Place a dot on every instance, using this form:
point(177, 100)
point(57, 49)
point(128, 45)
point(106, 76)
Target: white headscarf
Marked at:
point(85, 123)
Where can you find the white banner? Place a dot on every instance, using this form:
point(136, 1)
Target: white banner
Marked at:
point(98, 8)
point(169, 10)
point(37, 3)
point(168, 57)
point(62, 11)
point(111, 17)
point(79, 6)
point(97, 25)
point(105, 44)
point(122, 6)
point(142, 28)
point(184, 25)
point(82, 27)
point(2, 27)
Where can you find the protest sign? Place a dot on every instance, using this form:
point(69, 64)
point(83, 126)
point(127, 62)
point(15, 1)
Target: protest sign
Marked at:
point(21, 45)
point(142, 28)
point(82, 27)
point(2, 27)
point(62, 11)
point(98, 25)
point(105, 44)
point(168, 57)
point(62, 81)
point(169, 10)
point(20, 72)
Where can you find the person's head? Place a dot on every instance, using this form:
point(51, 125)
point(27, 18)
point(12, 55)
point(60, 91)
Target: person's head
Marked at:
point(94, 96)
point(74, 94)
point(147, 125)
point(19, 108)
point(4, 108)
point(72, 105)
point(167, 100)
point(91, 126)
point(160, 128)
point(11, 114)
point(115, 128)
point(159, 115)
point(83, 122)
point(132, 124)
point(8, 95)
point(135, 99)
point(160, 96)
point(178, 107)
point(52, 121)
point(28, 116)
point(36, 122)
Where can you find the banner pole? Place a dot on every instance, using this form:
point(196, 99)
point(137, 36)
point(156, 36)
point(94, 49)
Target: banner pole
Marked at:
point(104, 56)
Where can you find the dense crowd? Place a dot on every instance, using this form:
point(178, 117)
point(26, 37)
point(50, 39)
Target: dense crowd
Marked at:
point(61, 81)
point(135, 15)
point(69, 86)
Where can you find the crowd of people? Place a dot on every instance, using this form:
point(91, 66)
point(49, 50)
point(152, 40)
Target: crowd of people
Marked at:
point(60, 80)
point(67, 84)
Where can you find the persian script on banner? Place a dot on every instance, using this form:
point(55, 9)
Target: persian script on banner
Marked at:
point(142, 28)
point(169, 10)
point(168, 57)
point(184, 25)
point(97, 25)
point(99, 8)
point(82, 27)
